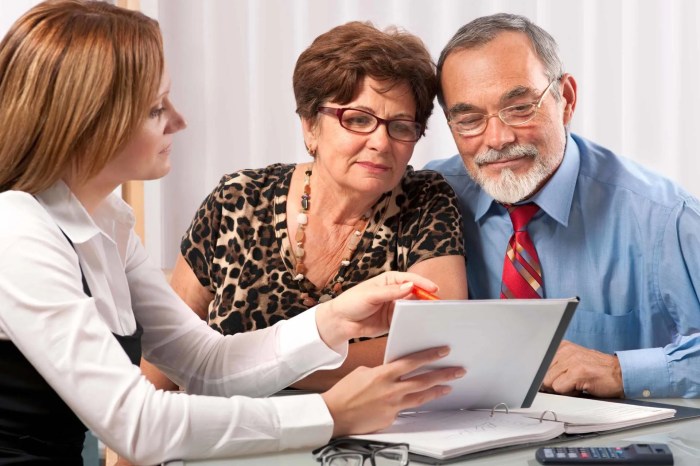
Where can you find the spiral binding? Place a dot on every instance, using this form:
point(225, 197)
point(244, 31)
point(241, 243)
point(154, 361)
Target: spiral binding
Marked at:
point(496, 409)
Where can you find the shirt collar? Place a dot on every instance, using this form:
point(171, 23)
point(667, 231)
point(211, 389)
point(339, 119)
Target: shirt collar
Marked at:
point(556, 195)
point(70, 215)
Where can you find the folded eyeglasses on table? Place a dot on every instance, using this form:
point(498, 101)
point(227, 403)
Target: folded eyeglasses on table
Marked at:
point(355, 452)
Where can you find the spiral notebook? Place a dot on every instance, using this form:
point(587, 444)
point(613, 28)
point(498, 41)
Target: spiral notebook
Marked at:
point(506, 345)
point(445, 435)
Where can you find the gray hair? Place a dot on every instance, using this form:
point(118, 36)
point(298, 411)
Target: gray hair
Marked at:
point(484, 29)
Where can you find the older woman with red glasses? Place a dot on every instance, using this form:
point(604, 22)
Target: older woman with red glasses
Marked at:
point(270, 243)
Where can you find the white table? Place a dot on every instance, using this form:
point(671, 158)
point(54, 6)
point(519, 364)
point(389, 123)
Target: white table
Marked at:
point(682, 436)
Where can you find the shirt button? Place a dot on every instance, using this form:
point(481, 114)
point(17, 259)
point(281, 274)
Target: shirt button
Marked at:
point(646, 393)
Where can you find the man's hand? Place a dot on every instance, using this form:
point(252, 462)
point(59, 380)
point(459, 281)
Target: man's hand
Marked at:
point(576, 369)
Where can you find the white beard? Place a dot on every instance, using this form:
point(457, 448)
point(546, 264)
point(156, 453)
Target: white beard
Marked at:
point(509, 188)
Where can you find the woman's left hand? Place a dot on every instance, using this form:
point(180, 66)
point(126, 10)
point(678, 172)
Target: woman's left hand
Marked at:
point(365, 310)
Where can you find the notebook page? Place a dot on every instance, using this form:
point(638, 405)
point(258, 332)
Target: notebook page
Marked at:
point(583, 415)
point(446, 434)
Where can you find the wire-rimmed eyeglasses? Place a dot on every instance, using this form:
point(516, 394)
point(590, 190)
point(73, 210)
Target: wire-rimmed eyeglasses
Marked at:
point(354, 452)
point(474, 123)
point(360, 121)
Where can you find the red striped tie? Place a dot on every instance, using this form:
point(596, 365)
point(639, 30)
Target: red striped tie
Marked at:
point(522, 273)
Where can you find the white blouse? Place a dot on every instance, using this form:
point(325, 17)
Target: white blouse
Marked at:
point(67, 336)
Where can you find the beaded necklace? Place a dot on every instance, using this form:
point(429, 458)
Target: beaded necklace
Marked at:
point(299, 252)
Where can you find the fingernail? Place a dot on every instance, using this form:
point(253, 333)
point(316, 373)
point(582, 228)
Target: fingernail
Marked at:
point(459, 373)
point(406, 286)
point(445, 389)
point(444, 351)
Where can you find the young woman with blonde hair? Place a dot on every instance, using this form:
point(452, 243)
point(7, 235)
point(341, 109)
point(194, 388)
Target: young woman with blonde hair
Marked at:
point(84, 107)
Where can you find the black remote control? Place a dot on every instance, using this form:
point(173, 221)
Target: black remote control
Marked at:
point(636, 453)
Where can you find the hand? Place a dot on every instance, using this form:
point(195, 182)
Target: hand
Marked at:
point(365, 310)
point(576, 369)
point(367, 399)
point(112, 459)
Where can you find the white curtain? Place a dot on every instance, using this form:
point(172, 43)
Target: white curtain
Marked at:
point(637, 64)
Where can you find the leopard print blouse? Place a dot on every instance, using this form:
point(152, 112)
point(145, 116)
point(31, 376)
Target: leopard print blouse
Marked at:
point(238, 247)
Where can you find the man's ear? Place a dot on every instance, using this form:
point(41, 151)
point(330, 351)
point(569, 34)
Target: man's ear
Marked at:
point(567, 89)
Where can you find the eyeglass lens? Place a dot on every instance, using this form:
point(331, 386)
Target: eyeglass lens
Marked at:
point(475, 123)
point(363, 122)
point(345, 459)
point(389, 456)
point(513, 116)
point(354, 452)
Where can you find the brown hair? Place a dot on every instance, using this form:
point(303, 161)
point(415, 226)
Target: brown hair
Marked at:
point(76, 80)
point(334, 65)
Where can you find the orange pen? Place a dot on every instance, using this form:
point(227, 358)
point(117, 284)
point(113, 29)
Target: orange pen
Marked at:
point(420, 293)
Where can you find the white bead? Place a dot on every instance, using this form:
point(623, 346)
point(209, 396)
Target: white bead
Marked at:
point(345, 263)
point(324, 298)
point(299, 277)
point(302, 218)
point(299, 251)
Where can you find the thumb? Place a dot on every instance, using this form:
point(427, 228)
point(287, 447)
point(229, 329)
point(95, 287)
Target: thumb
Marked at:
point(389, 293)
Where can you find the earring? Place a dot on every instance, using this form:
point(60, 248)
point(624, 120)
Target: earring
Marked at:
point(310, 151)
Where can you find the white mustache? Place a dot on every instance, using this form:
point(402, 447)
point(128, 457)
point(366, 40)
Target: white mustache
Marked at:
point(509, 153)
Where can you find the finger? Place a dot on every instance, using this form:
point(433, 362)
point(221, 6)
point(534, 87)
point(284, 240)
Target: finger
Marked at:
point(413, 400)
point(388, 293)
point(546, 385)
point(552, 374)
point(405, 277)
point(571, 355)
point(546, 389)
point(411, 362)
point(558, 366)
point(431, 378)
point(565, 384)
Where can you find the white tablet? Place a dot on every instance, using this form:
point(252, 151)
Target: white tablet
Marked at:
point(505, 345)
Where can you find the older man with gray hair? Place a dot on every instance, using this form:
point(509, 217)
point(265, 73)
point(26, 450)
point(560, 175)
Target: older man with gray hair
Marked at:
point(549, 214)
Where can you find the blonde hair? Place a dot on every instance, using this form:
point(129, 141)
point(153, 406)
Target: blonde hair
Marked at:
point(77, 78)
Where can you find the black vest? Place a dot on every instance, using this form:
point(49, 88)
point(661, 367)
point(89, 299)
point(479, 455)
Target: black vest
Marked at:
point(36, 426)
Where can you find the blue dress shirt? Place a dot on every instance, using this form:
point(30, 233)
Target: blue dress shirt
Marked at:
point(624, 240)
